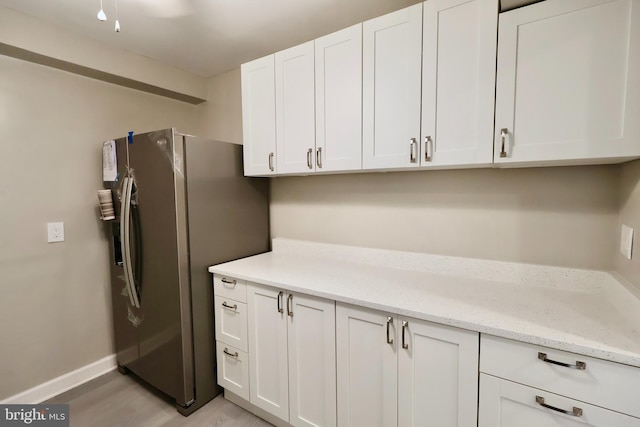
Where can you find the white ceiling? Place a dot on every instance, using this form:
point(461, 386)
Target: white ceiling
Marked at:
point(206, 37)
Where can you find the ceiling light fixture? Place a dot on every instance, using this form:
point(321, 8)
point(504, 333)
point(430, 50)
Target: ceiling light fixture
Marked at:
point(101, 15)
point(117, 22)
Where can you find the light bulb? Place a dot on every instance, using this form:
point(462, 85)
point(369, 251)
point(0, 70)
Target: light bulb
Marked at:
point(101, 15)
point(117, 22)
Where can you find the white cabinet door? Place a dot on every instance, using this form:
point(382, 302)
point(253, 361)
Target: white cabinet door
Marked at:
point(312, 361)
point(458, 81)
point(268, 364)
point(232, 369)
point(259, 116)
point(437, 375)
point(507, 404)
point(295, 109)
point(367, 367)
point(339, 100)
point(392, 56)
point(562, 81)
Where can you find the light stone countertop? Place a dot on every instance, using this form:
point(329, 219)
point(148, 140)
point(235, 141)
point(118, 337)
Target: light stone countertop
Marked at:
point(583, 311)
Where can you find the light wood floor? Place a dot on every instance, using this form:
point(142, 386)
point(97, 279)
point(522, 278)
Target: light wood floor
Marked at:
point(116, 400)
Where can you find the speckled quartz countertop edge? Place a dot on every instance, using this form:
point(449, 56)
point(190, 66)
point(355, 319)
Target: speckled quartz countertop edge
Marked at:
point(524, 312)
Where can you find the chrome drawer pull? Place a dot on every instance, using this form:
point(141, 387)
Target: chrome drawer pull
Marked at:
point(427, 141)
point(579, 365)
point(389, 321)
point(576, 412)
point(309, 162)
point(280, 294)
point(405, 324)
point(226, 351)
point(271, 168)
point(504, 132)
point(229, 282)
point(230, 307)
point(290, 308)
point(413, 150)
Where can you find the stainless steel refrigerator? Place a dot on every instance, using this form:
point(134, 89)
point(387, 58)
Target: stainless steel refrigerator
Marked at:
point(181, 205)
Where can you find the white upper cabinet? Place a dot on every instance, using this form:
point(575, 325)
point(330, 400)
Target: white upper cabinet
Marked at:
point(458, 82)
point(339, 100)
point(295, 109)
point(568, 82)
point(392, 64)
point(259, 117)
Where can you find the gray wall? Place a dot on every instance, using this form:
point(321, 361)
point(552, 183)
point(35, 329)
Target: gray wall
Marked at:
point(555, 216)
point(55, 306)
point(630, 215)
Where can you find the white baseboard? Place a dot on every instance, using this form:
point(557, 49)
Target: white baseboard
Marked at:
point(63, 383)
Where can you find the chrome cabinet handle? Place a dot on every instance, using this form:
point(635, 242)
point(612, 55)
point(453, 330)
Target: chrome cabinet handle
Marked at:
point(319, 157)
point(389, 321)
point(581, 366)
point(280, 294)
point(226, 351)
point(230, 307)
point(504, 132)
point(271, 168)
point(309, 163)
point(229, 282)
point(405, 324)
point(427, 141)
point(289, 308)
point(413, 148)
point(576, 412)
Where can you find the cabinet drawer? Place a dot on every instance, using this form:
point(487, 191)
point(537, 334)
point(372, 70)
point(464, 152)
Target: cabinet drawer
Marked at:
point(505, 404)
point(231, 322)
point(603, 383)
point(233, 369)
point(230, 288)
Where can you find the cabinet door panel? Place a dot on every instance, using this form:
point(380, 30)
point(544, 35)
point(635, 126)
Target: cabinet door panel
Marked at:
point(458, 83)
point(437, 376)
point(295, 108)
point(507, 404)
point(562, 80)
point(231, 322)
point(312, 362)
point(339, 100)
point(258, 116)
point(233, 369)
point(392, 52)
point(268, 367)
point(367, 368)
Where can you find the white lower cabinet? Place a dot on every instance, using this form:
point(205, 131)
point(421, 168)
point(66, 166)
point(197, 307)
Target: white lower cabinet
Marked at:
point(401, 371)
point(508, 404)
point(526, 385)
point(233, 369)
point(292, 356)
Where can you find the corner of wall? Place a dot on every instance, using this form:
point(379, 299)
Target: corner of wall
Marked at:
point(629, 214)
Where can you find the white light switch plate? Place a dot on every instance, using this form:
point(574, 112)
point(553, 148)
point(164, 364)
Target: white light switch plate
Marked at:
point(55, 232)
point(626, 241)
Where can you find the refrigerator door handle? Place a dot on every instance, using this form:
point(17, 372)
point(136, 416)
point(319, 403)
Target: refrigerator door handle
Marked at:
point(125, 220)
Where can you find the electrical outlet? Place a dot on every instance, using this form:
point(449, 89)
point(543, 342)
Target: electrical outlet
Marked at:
point(626, 241)
point(55, 232)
